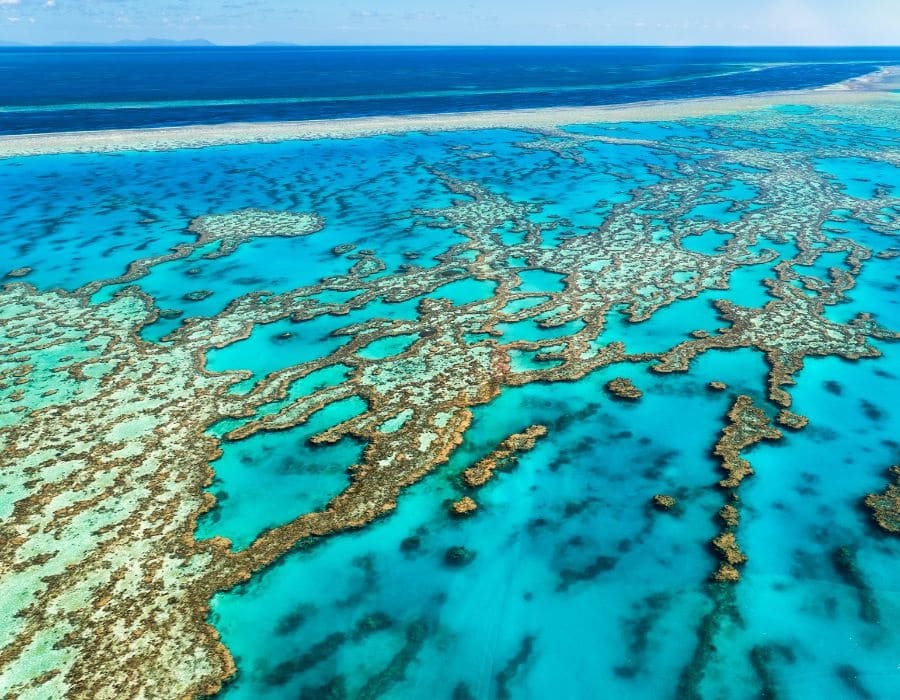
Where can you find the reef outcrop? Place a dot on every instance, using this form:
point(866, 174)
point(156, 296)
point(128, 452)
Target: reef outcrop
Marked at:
point(464, 506)
point(504, 456)
point(747, 426)
point(663, 501)
point(885, 506)
point(624, 388)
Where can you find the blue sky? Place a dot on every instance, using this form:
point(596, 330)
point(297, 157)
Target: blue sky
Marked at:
point(800, 22)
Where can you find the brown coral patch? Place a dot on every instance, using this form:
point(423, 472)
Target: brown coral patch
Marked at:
point(727, 548)
point(747, 426)
point(503, 456)
point(624, 388)
point(729, 515)
point(791, 420)
point(464, 506)
point(885, 506)
point(663, 501)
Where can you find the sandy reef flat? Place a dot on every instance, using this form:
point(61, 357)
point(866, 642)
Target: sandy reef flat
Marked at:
point(879, 86)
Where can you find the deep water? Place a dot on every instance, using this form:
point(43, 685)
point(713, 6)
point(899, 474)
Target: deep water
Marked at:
point(87, 88)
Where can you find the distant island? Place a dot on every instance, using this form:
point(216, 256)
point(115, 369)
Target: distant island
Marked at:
point(142, 42)
point(163, 42)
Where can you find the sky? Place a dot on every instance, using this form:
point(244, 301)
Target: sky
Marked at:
point(679, 22)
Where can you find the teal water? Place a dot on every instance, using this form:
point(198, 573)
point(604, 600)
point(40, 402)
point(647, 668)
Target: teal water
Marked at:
point(577, 588)
point(577, 503)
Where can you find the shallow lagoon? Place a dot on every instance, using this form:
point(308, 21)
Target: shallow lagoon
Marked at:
point(570, 582)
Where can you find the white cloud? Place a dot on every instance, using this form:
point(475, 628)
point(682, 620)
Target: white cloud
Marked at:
point(9, 2)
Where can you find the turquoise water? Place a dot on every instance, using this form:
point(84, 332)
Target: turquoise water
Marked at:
point(574, 585)
point(575, 503)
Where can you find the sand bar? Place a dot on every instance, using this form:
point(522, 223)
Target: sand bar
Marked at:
point(879, 86)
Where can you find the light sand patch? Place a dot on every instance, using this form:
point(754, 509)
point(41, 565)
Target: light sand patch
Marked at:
point(873, 87)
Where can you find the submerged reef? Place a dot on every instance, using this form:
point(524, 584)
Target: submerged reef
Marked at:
point(107, 436)
point(19, 272)
point(232, 229)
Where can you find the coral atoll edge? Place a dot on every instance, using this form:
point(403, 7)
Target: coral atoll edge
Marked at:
point(344, 409)
point(880, 85)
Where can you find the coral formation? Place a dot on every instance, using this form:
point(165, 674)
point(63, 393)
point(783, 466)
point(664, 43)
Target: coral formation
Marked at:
point(19, 272)
point(464, 506)
point(104, 435)
point(663, 501)
point(727, 547)
point(885, 506)
point(747, 425)
point(845, 563)
point(729, 515)
point(459, 556)
point(231, 229)
point(623, 388)
point(112, 468)
point(502, 457)
point(791, 420)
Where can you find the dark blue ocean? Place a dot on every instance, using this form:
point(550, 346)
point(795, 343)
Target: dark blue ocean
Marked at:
point(62, 89)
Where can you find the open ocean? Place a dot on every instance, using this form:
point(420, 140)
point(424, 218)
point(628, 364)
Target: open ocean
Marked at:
point(64, 89)
point(354, 407)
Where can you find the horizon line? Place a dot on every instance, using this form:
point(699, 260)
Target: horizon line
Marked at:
point(200, 43)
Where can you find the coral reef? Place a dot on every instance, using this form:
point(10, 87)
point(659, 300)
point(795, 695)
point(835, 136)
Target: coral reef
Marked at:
point(747, 425)
point(729, 515)
point(104, 436)
point(459, 556)
point(723, 615)
point(569, 577)
point(791, 420)
point(727, 547)
point(512, 668)
point(663, 501)
point(231, 229)
point(761, 658)
point(504, 456)
point(845, 563)
point(111, 468)
point(885, 506)
point(624, 388)
point(464, 506)
point(19, 272)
